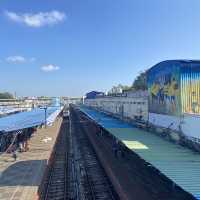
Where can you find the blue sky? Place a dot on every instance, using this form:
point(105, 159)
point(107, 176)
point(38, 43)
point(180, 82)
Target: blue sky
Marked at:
point(69, 47)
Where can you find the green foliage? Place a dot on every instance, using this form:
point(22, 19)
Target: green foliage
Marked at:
point(118, 89)
point(140, 83)
point(125, 87)
point(6, 95)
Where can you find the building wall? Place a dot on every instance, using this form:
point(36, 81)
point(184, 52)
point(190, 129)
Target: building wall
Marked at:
point(166, 121)
point(123, 106)
point(190, 126)
point(190, 88)
point(174, 96)
point(134, 107)
point(174, 88)
point(187, 123)
point(164, 88)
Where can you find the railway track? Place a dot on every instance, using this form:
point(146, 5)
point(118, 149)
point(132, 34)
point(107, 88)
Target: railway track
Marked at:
point(75, 172)
point(93, 181)
point(56, 188)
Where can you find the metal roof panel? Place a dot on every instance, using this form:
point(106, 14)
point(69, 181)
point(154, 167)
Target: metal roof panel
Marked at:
point(178, 163)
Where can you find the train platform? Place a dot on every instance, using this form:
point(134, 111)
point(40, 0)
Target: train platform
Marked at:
point(20, 179)
point(178, 163)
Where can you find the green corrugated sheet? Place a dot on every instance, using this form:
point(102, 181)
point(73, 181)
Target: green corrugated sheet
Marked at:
point(178, 163)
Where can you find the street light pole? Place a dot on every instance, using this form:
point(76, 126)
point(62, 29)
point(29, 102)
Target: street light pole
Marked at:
point(45, 115)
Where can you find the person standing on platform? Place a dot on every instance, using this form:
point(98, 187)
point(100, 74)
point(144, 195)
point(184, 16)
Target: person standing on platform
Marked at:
point(115, 148)
point(14, 155)
point(14, 152)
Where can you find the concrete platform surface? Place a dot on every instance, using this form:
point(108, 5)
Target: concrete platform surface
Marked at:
point(19, 180)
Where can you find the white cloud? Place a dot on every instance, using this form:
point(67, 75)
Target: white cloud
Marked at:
point(16, 59)
point(37, 19)
point(50, 68)
point(19, 59)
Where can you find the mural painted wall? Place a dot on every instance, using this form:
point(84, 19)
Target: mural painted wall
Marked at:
point(164, 89)
point(190, 88)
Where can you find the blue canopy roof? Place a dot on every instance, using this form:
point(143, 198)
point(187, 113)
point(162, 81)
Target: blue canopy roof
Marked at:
point(105, 120)
point(28, 119)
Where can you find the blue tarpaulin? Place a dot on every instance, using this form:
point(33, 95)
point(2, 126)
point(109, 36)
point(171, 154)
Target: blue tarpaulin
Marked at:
point(28, 119)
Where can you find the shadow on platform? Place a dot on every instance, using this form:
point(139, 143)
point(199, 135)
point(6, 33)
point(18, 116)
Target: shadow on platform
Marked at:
point(24, 173)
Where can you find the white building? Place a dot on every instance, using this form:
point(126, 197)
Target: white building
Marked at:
point(126, 107)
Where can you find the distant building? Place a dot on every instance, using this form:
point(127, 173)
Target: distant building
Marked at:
point(26, 102)
point(133, 93)
point(94, 94)
point(71, 100)
point(127, 107)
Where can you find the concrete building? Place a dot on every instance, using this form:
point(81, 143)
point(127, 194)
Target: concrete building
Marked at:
point(26, 102)
point(71, 100)
point(125, 107)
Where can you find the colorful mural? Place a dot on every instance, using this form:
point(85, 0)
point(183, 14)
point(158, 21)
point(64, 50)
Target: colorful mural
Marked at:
point(190, 88)
point(174, 87)
point(164, 89)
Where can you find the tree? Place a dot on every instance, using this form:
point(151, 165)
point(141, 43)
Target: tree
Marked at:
point(118, 89)
point(140, 83)
point(6, 95)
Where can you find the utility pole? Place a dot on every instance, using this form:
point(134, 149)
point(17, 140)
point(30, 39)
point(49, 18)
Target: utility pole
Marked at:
point(45, 115)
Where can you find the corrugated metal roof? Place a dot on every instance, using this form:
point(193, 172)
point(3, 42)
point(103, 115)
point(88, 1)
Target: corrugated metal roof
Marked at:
point(171, 62)
point(28, 119)
point(180, 164)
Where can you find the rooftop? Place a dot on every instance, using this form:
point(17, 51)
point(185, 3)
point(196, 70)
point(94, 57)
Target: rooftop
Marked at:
point(28, 119)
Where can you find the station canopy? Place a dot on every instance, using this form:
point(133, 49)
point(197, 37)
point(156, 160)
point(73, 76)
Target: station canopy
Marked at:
point(178, 163)
point(29, 119)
